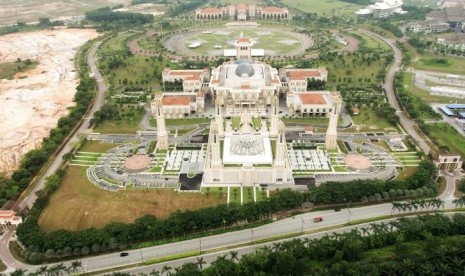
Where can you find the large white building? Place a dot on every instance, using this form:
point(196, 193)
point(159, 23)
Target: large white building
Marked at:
point(312, 103)
point(242, 12)
point(192, 80)
point(382, 9)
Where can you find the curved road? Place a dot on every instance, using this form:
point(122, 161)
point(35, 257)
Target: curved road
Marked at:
point(57, 161)
point(99, 100)
point(406, 122)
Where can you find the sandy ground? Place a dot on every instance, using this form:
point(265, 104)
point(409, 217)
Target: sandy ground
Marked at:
point(33, 101)
point(12, 11)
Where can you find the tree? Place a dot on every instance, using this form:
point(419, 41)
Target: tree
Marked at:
point(234, 255)
point(200, 262)
point(75, 265)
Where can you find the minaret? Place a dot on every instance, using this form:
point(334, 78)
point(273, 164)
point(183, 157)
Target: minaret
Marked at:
point(331, 133)
point(219, 116)
point(215, 146)
point(274, 117)
point(162, 135)
point(243, 48)
point(280, 146)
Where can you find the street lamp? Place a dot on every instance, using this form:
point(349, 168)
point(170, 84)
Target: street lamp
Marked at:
point(251, 236)
point(200, 245)
point(302, 228)
point(141, 257)
point(348, 212)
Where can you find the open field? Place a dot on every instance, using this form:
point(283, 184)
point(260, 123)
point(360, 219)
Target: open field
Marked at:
point(367, 120)
point(123, 126)
point(78, 204)
point(96, 146)
point(324, 7)
point(274, 41)
point(32, 10)
point(447, 136)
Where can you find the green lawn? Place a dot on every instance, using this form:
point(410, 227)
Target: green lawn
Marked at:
point(115, 44)
point(124, 126)
point(235, 195)
point(447, 136)
point(308, 120)
point(247, 194)
point(96, 146)
point(236, 122)
point(425, 95)
point(371, 41)
point(369, 121)
point(272, 39)
point(324, 7)
point(445, 64)
point(182, 122)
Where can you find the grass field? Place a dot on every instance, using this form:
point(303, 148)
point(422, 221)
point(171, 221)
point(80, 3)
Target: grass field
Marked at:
point(371, 41)
point(9, 69)
point(78, 204)
point(274, 41)
point(447, 136)
point(123, 126)
point(182, 122)
point(324, 7)
point(445, 64)
point(96, 146)
point(369, 121)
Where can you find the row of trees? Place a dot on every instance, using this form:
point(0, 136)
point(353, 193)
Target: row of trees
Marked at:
point(427, 245)
point(33, 161)
point(63, 243)
point(57, 270)
point(354, 191)
point(417, 204)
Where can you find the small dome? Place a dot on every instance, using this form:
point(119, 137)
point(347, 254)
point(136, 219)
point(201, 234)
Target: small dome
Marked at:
point(244, 70)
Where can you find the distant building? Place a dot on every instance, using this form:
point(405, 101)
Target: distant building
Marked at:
point(192, 80)
point(448, 91)
point(242, 12)
point(180, 104)
point(296, 79)
point(9, 218)
point(456, 41)
point(382, 9)
point(312, 103)
point(449, 162)
point(455, 17)
point(427, 27)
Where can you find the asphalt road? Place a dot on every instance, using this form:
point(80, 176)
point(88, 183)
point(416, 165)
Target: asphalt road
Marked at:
point(405, 121)
point(56, 163)
point(295, 224)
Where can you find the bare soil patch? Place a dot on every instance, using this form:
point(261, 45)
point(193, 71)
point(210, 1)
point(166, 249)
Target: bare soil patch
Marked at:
point(33, 101)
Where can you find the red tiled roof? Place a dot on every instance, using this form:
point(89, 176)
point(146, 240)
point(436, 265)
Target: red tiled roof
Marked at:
point(303, 74)
point(355, 110)
point(273, 9)
point(7, 213)
point(245, 86)
point(211, 10)
point(309, 128)
point(188, 74)
point(243, 40)
point(176, 100)
point(312, 98)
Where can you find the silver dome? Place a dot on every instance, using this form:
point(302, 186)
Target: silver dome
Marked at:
point(244, 70)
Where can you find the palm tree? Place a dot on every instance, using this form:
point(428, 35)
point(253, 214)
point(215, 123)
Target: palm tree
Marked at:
point(154, 273)
point(75, 265)
point(60, 268)
point(234, 255)
point(19, 272)
point(165, 269)
point(42, 270)
point(200, 263)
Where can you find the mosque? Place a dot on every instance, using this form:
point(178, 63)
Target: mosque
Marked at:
point(247, 140)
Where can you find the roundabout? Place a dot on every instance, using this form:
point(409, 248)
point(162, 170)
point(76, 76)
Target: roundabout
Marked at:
point(137, 163)
point(357, 162)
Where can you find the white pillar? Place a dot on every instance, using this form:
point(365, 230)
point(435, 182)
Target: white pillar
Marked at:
point(274, 117)
point(219, 116)
point(331, 133)
point(280, 146)
point(162, 135)
point(215, 146)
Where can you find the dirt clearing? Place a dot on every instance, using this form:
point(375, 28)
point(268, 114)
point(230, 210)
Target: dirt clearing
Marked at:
point(33, 101)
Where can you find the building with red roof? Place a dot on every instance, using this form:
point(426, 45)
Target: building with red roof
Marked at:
point(9, 218)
